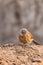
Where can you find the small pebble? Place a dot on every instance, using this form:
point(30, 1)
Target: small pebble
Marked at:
point(36, 60)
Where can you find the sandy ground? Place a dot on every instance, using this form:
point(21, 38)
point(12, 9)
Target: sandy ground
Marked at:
point(21, 54)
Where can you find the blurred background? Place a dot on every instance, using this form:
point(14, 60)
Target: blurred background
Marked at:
point(17, 14)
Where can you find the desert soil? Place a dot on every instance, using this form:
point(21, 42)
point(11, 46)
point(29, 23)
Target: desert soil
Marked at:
point(16, 54)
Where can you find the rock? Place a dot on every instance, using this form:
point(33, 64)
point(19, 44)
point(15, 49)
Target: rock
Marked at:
point(36, 60)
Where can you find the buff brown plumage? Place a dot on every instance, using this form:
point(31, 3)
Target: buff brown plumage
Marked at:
point(26, 37)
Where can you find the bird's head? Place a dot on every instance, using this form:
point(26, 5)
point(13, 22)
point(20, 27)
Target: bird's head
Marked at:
point(23, 31)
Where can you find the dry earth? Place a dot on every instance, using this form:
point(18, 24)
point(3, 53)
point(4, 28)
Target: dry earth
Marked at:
point(14, 54)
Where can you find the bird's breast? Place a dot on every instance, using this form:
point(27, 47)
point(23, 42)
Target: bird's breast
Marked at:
point(22, 39)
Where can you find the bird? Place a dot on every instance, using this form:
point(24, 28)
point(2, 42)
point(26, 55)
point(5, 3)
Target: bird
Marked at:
point(26, 37)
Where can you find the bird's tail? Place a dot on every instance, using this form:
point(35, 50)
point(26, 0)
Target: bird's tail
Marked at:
point(37, 43)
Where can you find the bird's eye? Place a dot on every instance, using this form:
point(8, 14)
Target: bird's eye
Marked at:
point(23, 32)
